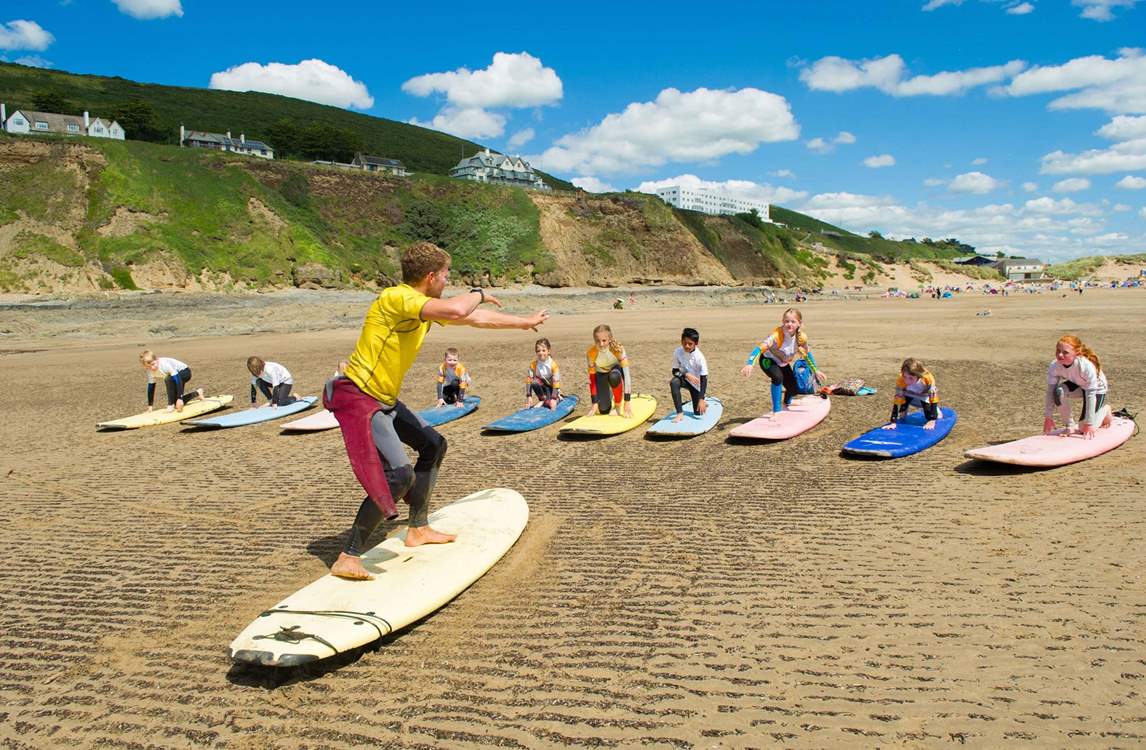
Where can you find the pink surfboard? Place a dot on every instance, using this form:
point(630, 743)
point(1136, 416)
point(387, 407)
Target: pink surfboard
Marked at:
point(1055, 449)
point(805, 413)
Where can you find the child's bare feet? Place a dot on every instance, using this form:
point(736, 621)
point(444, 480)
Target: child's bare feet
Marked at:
point(678, 417)
point(351, 568)
point(416, 536)
point(179, 404)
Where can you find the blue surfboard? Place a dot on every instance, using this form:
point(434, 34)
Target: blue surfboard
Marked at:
point(692, 424)
point(255, 414)
point(525, 420)
point(437, 415)
point(907, 438)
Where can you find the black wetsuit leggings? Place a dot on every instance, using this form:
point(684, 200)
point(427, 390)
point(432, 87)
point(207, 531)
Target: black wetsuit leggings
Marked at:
point(781, 374)
point(675, 385)
point(453, 393)
point(391, 429)
point(541, 390)
point(175, 384)
point(279, 395)
point(606, 382)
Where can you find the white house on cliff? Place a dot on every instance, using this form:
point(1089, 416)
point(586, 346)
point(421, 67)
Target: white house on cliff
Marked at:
point(498, 169)
point(25, 121)
point(221, 142)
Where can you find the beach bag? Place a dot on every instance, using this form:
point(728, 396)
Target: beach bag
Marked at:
point(805, 379)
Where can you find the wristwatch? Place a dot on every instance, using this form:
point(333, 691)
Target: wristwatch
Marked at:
point(480, 291)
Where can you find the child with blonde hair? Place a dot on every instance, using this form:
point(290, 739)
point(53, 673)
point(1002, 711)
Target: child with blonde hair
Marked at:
point(778, 353)
point(544, 378)
point(174, 375)
point(608, 371)
point(273, 380)
point(453, 379)
point(916, 387)
point(1076, 373)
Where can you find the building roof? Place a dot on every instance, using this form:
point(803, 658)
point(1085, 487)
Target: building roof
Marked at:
point(493, 159)
point(379, 161)
point(225, 141)
point(1009, 262)
point(56, 122)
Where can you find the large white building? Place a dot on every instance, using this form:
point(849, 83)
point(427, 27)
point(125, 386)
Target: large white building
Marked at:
point(499, 169)
point(709, 202)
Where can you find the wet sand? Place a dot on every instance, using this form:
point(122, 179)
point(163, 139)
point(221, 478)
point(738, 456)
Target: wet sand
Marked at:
point(694, 593)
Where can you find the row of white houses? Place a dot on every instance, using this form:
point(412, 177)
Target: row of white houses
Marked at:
point(25, 121)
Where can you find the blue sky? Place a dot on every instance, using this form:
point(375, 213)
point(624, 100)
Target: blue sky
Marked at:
point(1013, 125)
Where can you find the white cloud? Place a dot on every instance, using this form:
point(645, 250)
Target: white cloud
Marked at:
point(845, 137)
point(25, 35)
point(511, 80)
point(1129, 156)
point(678, 126)
point(593, 185)
point(1117, 86)
point(931, 5)
point(1142, 212)
point(149, 9)
point(1101, 10)
point(1121, 208)
point(852, 209)
point(882, 160)
point(740, 188)
point(973, 182)
point(1021, 9)
point(466, 123)
point(979, 162)
point(1130, 182)
point(819, 145)
point(312, 80)
point(783, 173)
point(1030, 187)
point(32, 61)
point(824, 146)
point(934, 182)
point(888, 73)
point(520, 138)
point(1123, 128)
point(1061, 207)
point(1072, 185)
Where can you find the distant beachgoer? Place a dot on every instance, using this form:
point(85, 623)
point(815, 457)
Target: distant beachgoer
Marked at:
point(1076, 372)
point(916, 387)
point(174, 375)
point(375, 424)
point(608, 372)
point(544, 378)
point(689, 370)
point(273, 380)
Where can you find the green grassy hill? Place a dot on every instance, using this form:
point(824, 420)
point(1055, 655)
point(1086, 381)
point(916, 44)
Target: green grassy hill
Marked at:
point(880, 248)
point(154, 112)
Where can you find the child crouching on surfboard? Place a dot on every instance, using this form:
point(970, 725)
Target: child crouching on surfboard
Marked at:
point(453, 379)
point(777, 353)
point(273, 380)
point(1076, 372)
point(608, 371)
point(916, 387)
point(174, 375)
point(543, 381)
point(689, 370)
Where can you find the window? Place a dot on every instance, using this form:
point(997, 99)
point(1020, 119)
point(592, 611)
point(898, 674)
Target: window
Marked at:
point(18, 120)
point(41, 125)
point(73, 128)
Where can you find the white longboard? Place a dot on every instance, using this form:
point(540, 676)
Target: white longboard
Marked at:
point(323, 420)
point(333, 615)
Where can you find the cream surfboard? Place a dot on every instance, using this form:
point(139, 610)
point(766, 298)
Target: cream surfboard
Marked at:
point(1056, 449)
point(160, 415)
point(324, 420)
point(643, 406)
point(804, 413)
point(333, 615)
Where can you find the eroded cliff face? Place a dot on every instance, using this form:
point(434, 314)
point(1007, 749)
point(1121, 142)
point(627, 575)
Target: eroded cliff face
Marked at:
point(614, 240)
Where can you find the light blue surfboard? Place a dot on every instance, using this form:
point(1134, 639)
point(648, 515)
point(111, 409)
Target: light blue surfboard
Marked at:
point(256, 414)
point(907, 438)
point(437, 415)
point(525, 420)
point(692, 424)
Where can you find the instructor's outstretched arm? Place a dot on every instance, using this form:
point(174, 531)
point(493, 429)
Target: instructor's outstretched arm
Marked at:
point(493, 319)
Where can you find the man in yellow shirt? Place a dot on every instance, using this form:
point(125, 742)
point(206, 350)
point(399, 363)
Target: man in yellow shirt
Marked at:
point(375, 423)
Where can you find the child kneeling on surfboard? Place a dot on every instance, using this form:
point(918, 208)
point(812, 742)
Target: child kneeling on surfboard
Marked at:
point(777, 353)
point(608, 371)
point(453, 379)
point(273, 380)
point(375, 424)
point(916, 387)
point(1076, 373)
point(543, 381)
point(689, 370)
point(174, 374)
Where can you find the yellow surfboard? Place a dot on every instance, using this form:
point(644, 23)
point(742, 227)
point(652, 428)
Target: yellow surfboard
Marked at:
point(160, 415)
point(643, 406)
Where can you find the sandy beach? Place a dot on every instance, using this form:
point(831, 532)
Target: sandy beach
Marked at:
point(698, 593)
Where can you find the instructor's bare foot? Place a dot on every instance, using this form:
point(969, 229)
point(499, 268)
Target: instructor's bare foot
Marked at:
point(350, 567)
point(416, 536)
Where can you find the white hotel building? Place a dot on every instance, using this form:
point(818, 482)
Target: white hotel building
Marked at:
point(709, 202)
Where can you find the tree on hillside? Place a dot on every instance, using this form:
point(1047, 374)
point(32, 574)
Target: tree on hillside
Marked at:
point(139, 121)
point(875, 235)
point(314, 141)
point(752, 217)
point(51, 101)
